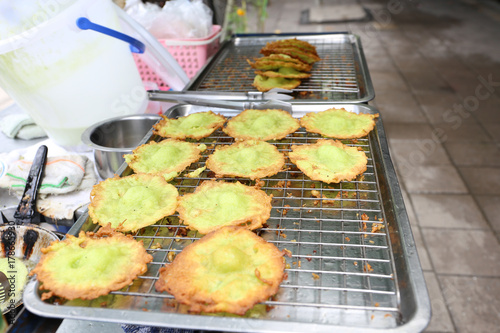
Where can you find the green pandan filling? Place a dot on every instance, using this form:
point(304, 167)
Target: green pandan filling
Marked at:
point(247, 159)
point(194, 124)
point(260, 124)
point(94, 264)
point(334, 158)
point(339, 123)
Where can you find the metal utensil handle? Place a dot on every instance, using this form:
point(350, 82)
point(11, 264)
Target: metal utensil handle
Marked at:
point(206, 95)
point(27, 207)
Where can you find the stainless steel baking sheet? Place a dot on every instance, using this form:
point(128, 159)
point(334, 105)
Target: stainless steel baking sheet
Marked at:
point(341, 76)
point(354, 265)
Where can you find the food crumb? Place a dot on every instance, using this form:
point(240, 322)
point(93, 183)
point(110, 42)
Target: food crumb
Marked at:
point(315, 276)
point(259, 183)
point(377, 226)
point(171, 256)
point(368, 268)
point(156, 246)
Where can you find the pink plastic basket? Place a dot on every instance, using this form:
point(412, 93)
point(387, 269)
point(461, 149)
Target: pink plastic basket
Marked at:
point(191, 54)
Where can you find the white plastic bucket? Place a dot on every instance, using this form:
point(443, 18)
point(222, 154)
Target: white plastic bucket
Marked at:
point(67, 79)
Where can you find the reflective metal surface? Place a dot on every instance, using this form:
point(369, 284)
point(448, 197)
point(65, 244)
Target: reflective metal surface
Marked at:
point(354, 266)
point(112, 138)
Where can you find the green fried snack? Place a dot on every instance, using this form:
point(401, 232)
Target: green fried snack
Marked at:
point(90, 265)
point(194, 126)
point(294, 43)
point(168, 157)
point(329, 161)
point(277, 61)
point(286, 72)
point(133, 202)
point(251, 159)
point(339, 123)
point(217, 204)
point(228, 270)
point(270, 124)
point(264, 83)
point(304, 56)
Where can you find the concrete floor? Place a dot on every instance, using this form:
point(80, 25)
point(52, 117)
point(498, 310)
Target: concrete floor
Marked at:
point(435, 66)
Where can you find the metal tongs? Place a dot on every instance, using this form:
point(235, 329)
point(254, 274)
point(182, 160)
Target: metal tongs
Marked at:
point(273, 99)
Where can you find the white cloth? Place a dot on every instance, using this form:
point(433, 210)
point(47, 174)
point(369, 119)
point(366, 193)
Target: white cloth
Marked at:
point(71, 177)
point(21, 126)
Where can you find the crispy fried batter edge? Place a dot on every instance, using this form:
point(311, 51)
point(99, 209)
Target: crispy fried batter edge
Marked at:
point(293, 52)
point(181, 165)
point(296, 43)
point(203, 302)
point(286, 76)
point(265, 64)
point(106, 234)
point(231, 131)
point(264, 171)
point(348, 175)
point(252, 220)
point(98, 198)
point(308, 119)
point(162, 125)
point(291, 84)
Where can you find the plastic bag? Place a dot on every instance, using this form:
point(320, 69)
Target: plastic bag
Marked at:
point(178, 19)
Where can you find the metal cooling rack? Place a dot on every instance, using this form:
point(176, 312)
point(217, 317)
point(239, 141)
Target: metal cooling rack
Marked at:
point(340, 76)
point(342, 272)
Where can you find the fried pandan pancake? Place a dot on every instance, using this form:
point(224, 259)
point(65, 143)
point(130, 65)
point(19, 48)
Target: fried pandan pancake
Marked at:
point(339, 123)
point(251, 159)
point(270, 124)
point(264, 83)
point(329, 161)
point(286, 72)
point(133, 202)
point(217, 204)
point(90, 265)
point(277, 61)
point(228, 270)
point(194, 126)
point(168, 157)
point(304, 56)
point(296, 43)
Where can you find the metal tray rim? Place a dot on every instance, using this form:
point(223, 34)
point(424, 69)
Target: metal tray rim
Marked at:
point(370, 92)
point(416, 323)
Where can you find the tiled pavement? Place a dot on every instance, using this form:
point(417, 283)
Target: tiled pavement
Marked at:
point(430, 62)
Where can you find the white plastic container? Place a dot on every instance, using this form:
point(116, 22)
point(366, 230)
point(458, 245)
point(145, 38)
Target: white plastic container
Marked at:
point(67, 79)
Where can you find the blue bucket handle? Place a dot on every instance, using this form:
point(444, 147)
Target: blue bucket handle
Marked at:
point(135, 45)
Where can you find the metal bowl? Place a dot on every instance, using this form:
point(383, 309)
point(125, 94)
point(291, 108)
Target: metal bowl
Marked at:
point(112, 138)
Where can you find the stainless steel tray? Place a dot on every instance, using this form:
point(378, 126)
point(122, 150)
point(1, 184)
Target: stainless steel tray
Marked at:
point(344, 275)
point(341, 76)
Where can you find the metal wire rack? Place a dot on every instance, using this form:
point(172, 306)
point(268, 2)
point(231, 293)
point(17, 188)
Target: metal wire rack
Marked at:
point(349, 267)
point(339, 76)
point(336, 235)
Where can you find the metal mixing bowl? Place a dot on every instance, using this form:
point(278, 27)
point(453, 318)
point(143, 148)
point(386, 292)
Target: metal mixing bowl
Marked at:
point(112, 138)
